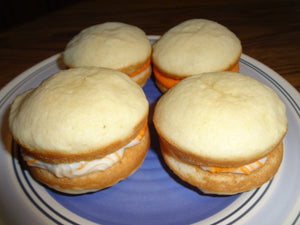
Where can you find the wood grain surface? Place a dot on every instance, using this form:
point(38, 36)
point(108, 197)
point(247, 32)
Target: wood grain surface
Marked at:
point(268, 29)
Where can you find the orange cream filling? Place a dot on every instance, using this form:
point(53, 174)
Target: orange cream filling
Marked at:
point(169, 82)
point(84, 167)
point(142, 132)
point(141, 69)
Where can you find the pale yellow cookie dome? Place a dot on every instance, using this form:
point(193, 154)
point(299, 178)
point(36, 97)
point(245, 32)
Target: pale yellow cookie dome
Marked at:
point(79, 111)
point(113, 45)
point(196, 46)
point(221, 118)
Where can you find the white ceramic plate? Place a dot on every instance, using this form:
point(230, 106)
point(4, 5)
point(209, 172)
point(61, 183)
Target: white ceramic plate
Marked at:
point(152, 195)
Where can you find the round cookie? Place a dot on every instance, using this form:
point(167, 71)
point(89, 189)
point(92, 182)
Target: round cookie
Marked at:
point(216, 121)
point(79, 116)
point(192, 47)
point(114, 45)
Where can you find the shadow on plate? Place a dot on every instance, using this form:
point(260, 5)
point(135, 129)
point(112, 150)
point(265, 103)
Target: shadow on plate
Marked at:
point(5, 133)
point(60, 63)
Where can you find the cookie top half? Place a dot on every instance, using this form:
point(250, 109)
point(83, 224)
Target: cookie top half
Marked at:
point(222, 118)
point(196, 46)
point(115, 45)
point(79, 112)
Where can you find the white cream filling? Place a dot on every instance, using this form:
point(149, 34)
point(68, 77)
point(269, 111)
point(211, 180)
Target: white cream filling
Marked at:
point(80, 168)
point(246, 169)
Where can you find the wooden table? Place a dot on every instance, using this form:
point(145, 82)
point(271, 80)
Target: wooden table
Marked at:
point(268, 29)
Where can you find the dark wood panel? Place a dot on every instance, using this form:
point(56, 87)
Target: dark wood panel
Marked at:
point(269, 29)
point(16, 12)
